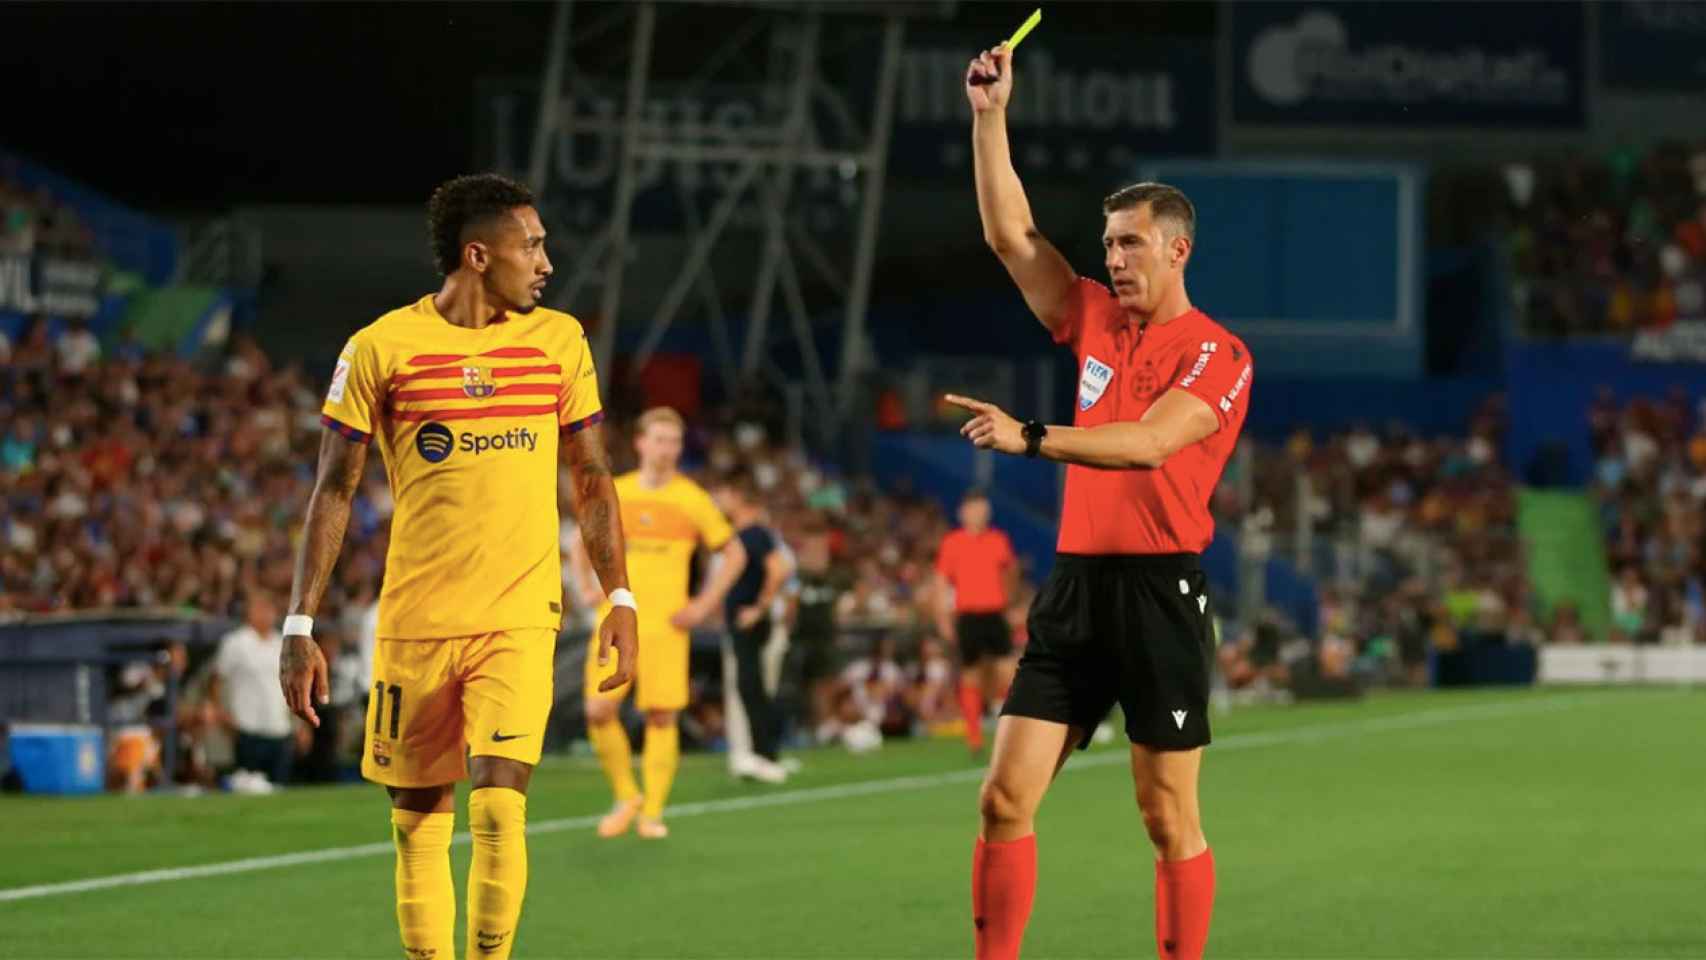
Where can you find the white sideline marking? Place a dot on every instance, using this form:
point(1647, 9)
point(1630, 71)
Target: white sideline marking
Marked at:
point(785, 798)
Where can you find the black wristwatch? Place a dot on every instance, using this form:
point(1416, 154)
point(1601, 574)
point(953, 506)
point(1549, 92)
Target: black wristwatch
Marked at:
point(1034, 431)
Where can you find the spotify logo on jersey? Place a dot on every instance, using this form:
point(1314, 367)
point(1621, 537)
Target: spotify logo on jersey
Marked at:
point(434, 442)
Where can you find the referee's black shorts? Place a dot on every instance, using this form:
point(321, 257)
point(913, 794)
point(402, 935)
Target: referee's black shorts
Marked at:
point(983, 635)
point(1131, 629)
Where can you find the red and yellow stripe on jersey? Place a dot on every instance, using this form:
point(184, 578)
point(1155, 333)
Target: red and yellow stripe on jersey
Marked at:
point(467, 422)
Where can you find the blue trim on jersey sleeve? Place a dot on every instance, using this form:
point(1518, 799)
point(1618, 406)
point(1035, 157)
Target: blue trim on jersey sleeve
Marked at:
point(347, 431)
point(584, 422)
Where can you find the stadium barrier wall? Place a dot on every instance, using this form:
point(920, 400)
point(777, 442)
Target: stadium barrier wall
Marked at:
point(1603, 664)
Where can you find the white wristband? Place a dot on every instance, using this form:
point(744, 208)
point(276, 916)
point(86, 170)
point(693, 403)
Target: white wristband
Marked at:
point(298, 625)
point(623, 597)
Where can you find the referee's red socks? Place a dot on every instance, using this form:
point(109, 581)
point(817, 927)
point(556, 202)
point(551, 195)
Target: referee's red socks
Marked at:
point(1003, 885)
point(971, 707)
point(1184, 899)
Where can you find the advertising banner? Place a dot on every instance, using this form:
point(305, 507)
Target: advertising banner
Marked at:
point(62, 288)
point(1408, 64)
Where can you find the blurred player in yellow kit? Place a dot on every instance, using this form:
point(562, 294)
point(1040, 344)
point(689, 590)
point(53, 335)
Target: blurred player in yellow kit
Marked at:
point(667, 517)
point(472, 394)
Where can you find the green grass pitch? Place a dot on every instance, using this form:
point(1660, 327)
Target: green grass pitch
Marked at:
point(1522, 824)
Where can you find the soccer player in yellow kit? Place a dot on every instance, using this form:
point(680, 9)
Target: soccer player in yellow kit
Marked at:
point(472, 394)
point(666, 516)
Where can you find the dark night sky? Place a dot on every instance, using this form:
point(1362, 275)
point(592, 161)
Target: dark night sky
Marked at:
point(198, 105)
point(181, 107)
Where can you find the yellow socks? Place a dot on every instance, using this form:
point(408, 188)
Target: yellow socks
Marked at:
point(426, 901)
point(497, 878)
point(662, 756)
point(610, 741)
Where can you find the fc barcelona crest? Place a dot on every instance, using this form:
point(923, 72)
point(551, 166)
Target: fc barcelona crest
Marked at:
point(477, 382)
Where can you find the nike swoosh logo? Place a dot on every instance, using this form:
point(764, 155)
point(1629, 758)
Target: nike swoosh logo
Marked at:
point(501, 737)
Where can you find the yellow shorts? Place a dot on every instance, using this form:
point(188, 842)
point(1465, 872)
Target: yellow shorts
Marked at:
point(661, 675)
point(435, 702)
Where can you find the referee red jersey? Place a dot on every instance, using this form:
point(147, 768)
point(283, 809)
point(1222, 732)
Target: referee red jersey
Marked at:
point(976, 565)
point(1123, 368)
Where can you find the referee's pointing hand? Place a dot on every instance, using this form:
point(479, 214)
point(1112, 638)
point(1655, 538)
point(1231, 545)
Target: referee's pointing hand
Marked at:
point(990, 427)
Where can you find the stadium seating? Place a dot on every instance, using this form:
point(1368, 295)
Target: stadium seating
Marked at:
point(1612, 244)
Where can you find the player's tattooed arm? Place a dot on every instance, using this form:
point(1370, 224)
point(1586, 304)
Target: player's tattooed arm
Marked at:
point(335, 484)
point(596, 508)
point(302, 667)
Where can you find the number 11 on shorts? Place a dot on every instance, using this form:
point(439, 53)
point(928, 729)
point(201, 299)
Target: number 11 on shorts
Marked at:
point(379, 690)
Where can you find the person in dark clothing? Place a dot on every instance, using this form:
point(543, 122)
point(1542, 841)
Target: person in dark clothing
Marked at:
point(814, 631)
point(747, 610)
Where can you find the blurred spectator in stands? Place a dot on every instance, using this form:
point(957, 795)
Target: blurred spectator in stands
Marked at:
point(205, 742)
point(33, 351)
point(128, 347)
point(1629, 604)
point(1522, 630)
point(18, 448)
point(17, 221)
point(877, 686)
point(813, 625)
point(1567, 624)
point(932, 694)
point(77, 349)
point(247, 671)
point(1253, 659)
point(139, 710)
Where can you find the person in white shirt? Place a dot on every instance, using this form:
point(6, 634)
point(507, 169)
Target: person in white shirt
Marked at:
point(246, 670)
point(77, 348)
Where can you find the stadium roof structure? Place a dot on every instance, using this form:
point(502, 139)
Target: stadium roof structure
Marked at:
point(810, 121)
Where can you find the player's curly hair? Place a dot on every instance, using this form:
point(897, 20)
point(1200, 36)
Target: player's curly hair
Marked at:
point(466, 202)
point(1165, 202)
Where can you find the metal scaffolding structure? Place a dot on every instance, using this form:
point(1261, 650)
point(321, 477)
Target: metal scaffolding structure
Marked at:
point(806, 126)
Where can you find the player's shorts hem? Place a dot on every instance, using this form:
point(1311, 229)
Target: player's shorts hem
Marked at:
point(475, 751)
point(1168, 747)
point(401, 783)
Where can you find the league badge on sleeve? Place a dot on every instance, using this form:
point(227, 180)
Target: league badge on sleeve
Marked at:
point(1094, 382)
point(340, 378)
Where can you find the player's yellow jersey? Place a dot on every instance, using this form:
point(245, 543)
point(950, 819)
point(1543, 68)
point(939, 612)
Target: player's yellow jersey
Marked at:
point(662, 527)
point(467, 422)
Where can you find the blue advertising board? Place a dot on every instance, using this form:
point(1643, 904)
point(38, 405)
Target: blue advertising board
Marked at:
point(1408, 64)
point(1314, 265)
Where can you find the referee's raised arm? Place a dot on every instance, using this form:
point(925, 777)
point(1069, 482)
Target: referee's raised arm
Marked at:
point(1043, 275)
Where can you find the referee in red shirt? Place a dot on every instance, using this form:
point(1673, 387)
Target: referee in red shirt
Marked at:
point(1123, 617)
point(977, 562)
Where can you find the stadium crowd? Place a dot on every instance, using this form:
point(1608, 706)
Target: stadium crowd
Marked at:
point(1650, 483)
point(1412, 539)
point(1609, 245)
